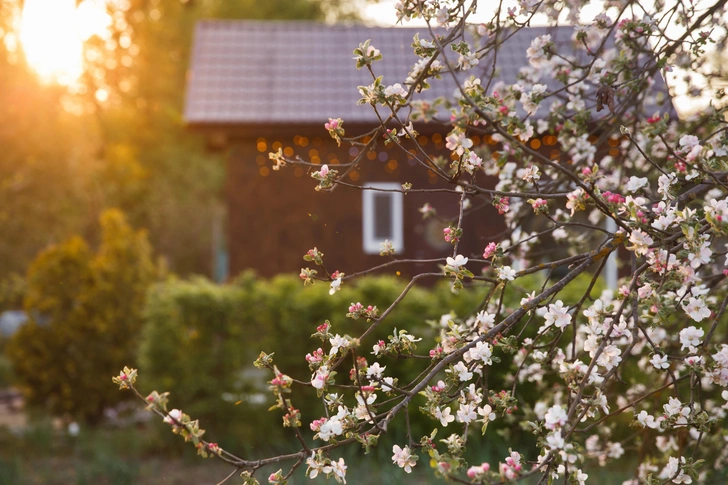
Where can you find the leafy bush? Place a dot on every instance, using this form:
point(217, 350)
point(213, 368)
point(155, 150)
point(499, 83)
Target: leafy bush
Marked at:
point(85, 313)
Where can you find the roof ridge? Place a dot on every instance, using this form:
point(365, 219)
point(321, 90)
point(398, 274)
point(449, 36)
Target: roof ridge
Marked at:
point(350, 24)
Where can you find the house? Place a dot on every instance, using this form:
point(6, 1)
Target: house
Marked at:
point(255, 87)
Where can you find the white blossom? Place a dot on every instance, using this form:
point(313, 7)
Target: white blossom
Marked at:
point(557, 315)
point(690, 338)
point(556, 417)
point(659, 362)
point(403, 458)
point(444, 415)
point(506, 273)
point(457, 261)
point(636, 183)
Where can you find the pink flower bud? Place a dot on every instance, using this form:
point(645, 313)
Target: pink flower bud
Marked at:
point(489, 250)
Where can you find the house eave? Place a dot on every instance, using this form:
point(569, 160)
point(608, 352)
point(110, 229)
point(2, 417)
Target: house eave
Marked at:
point(244, 130)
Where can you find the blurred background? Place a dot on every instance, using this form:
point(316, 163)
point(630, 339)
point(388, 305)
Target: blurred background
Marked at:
point(108, 208)
point(108, 219)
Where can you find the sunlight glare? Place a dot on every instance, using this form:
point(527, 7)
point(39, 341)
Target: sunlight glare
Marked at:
point(52, 33)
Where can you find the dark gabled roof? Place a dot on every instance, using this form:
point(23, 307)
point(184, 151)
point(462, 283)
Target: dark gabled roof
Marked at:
point(297, 73)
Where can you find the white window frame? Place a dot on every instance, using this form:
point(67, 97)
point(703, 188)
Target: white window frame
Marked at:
point(372, 245)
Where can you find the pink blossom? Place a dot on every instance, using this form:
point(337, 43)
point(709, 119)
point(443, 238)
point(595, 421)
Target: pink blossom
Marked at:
point(436, 352)
point(489, 250)
point(503, 205)
point(316, 357)
point(613, 198)
point(439, 387)
point(316, 424)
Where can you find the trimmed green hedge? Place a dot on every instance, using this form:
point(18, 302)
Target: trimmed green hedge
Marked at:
point(200, 340)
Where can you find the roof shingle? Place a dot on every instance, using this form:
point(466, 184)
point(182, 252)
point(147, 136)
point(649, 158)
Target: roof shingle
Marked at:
point(252, 72)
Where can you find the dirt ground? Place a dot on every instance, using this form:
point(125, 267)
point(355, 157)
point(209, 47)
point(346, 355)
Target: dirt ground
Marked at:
point(11, 411)
point(56, 471)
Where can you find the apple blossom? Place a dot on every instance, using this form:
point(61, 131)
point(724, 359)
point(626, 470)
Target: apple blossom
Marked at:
point(457, 261)
point(404, 458)
point(636, 183)
point(506, 273)
point(659, 362)
point(573, 187)
point(557, 315)
point(444, 415)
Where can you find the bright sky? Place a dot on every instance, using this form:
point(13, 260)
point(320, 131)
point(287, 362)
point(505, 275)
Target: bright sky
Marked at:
point(383, 13)
point(52, 34)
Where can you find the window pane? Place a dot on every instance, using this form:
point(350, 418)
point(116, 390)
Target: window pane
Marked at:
point(383, 216)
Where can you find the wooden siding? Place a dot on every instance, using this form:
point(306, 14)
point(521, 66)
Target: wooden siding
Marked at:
point(274, 217)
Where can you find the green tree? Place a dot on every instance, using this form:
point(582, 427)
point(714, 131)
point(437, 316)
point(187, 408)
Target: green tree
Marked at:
point(117, 139)
point(45, 162)
point(85, 310)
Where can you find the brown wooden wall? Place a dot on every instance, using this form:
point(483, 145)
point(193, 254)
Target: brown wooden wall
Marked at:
point(274, 217)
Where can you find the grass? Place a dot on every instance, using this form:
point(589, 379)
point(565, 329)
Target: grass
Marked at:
point(104, 456)
point(138, 455)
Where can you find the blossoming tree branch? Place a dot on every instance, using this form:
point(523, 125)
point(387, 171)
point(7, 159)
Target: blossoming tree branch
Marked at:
point(642, 367)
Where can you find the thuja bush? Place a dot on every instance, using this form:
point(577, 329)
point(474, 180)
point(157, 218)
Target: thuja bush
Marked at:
point(639, 372)
point(84, 310)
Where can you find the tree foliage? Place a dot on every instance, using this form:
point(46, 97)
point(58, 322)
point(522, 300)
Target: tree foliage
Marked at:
point(117, 138)
point(45, 165)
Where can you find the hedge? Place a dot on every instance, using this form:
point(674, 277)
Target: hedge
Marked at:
point(200, 339)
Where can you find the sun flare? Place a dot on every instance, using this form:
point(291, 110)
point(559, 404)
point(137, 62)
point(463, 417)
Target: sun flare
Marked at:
point(52, 33)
